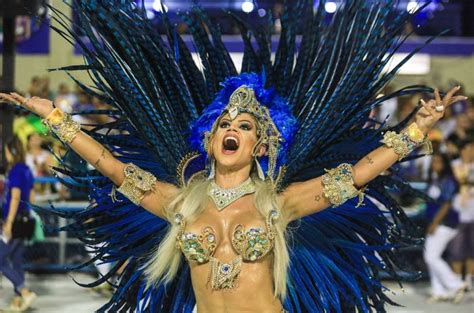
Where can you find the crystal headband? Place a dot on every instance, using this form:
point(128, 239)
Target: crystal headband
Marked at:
point(243, 100)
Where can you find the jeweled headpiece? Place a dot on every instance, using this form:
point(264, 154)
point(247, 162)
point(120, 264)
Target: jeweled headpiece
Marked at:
point(246, 94)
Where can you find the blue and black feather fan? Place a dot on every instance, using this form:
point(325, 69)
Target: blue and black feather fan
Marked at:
point(329, 75)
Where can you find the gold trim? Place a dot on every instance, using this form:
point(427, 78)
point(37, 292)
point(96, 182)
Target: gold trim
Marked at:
point(181, 168)
point(137, 183)
point(338, 185)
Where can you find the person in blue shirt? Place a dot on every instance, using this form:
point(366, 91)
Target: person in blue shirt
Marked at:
point(19, 191)
point(442, 228)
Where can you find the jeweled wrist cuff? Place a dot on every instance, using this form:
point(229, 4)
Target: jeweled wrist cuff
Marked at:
point(62, 125)
point(406, 141)
point(137, 183)
point(338, 185)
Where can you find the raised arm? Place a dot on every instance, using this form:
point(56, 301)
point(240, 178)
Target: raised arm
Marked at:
point(305, 198)
point(93, 152)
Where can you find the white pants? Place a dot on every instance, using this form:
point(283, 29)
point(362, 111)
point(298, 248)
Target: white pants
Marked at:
point(443, 280)
point(102, 268)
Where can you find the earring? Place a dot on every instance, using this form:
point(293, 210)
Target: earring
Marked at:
point(260, 173)
point(212, 169)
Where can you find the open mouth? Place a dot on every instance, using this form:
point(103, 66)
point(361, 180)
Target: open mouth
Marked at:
point(230, 144)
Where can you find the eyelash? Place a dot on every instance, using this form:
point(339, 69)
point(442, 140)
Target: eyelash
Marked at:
point(244, 126)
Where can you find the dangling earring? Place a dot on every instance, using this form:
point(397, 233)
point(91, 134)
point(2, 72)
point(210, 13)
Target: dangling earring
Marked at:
point(212, 169)
point(260, 173)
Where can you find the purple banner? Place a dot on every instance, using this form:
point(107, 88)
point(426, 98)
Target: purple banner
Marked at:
point(32, 35)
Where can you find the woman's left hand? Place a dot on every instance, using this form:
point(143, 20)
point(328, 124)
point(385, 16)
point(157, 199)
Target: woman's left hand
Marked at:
point(7, 230)
point(434, 109)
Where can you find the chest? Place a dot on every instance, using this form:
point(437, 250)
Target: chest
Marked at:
point(225, 222)
point(239, 229)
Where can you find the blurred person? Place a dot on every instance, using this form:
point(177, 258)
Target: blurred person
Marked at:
point(424, 164)
point(277, 12)
point(460, 134)
point(37, 158)
point(388, 108)
point(470, 111)
point(59, 150)
point(462, 247)
point(65, 99)
point(406, 105)
point(34, 90)
point(45, 91)
point(98, 104)
point(19, 190)
point(447, 123)
point(83, 103)
point(442, 228)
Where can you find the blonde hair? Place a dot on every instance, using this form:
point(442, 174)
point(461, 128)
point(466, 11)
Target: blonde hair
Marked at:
point(190, 202)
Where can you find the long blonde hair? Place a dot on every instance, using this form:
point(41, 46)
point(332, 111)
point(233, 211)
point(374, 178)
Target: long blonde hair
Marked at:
point(190, 202)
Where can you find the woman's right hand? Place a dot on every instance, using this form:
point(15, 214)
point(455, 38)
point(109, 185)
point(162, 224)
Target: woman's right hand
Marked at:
point(39, 106)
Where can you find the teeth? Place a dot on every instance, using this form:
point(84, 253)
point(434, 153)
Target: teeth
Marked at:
point(231, 138)
point(231, 143)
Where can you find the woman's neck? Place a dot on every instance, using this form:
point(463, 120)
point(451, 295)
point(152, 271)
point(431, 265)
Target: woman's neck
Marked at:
point(231, 178)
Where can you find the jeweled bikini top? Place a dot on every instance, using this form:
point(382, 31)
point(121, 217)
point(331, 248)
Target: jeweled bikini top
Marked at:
point(252, 244)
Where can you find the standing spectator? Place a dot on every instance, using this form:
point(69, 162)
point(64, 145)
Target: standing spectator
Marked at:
point(462, 247)
point(18, 191)
point(442, 228)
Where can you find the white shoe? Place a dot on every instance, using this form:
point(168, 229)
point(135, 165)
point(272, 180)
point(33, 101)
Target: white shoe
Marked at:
point(28, 300)
point(12, 308)
point(435, 299)
point(459, 294)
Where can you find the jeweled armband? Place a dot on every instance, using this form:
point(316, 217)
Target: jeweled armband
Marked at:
point(338, 185)
point(62, 125)
point(406, 141)
point(137, 183)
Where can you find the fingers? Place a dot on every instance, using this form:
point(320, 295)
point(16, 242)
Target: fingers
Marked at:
point(18, 97)
point(449, 98)
point(428, 107)
point(8, 98)
point(451, 93)
point(437, 96)
point(457, 98)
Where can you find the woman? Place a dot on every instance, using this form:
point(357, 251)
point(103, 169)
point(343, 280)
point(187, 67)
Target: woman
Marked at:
point(19, 190)
point(227, 210)
point(461, 249)
point(232, 144)
point(443, 223)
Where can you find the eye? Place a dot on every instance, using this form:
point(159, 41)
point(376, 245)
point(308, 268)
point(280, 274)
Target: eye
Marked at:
point(246, 126)
point(224, 124)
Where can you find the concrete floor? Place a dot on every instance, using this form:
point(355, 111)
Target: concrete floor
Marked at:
point(59, 294)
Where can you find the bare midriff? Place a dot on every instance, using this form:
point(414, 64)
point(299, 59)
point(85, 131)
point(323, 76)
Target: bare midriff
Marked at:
point(253, 291)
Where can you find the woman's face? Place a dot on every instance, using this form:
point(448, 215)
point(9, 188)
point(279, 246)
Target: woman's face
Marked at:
point(437, 164)
point(234, 140)
point(35, 140)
